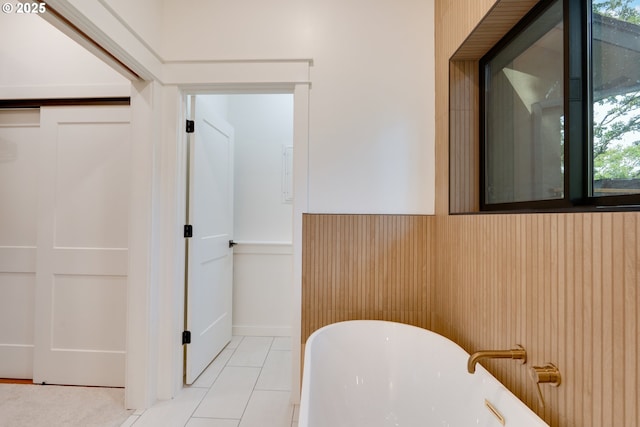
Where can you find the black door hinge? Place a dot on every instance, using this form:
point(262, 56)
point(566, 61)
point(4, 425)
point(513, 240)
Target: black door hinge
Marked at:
point(188, 231)
point(186, 337)
point(191, 125)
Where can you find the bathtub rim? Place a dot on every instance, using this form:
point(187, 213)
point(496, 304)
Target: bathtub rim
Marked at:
point(303, 419)
point(304, 396)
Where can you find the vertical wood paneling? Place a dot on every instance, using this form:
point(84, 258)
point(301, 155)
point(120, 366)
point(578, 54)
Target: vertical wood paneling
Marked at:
point(563, 285)
point(454, 22)
point(366, 267)
point(463, 140)
point(631, 278)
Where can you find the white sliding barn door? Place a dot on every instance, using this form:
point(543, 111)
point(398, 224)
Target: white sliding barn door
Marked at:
point(83, 214)
point(210, 259)
point(19, 142)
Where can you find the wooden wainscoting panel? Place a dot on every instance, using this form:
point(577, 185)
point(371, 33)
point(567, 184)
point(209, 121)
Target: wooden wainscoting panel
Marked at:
point(565, 286)
point(366, 267)
point(463, 137)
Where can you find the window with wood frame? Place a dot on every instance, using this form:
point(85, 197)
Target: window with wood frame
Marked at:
point(560, 109)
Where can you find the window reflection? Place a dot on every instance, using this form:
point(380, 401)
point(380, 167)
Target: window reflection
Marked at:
point(615, 114)
point(524, 132)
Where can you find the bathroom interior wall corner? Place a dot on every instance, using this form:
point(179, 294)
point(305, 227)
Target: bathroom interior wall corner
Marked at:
point(372, 99)
point(371, 102)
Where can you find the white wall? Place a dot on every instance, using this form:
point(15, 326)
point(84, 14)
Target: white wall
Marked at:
point(144, 16)
point(368, 119)
point(218, 103)
point(38, 61)
point(263, 223)
point(372, 105)
point(263, 124)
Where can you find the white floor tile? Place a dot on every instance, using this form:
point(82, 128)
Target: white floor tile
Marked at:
point(235, 340)
point(281, 343)
point(229, 394)
point(248, 386)
point(276, 372)
point(210, 374)
point(252, 351)
point(268, 409)
point(175, 412)
point(211, 422)
point(129, 421)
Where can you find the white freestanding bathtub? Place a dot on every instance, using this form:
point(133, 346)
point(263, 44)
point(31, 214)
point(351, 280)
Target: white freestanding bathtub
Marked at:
point(368, 373)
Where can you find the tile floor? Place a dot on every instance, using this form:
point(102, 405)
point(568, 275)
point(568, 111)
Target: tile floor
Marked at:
point(247, 385)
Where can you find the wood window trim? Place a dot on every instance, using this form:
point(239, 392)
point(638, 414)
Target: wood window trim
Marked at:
point(464, 155)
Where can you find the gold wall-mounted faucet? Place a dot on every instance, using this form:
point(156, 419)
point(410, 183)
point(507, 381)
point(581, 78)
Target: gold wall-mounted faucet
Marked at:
point(547, 374)
point(515, 353)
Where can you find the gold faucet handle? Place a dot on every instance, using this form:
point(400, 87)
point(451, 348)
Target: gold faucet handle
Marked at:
point(547, 374)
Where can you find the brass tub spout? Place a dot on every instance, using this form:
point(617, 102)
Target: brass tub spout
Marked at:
point(515, 353)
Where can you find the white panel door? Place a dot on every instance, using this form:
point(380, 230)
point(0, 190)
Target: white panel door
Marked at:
point(210, 260)
point(81, 274)
point(19, 141)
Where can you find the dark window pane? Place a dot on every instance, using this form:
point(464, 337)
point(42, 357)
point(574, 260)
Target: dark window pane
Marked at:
point(615, 103)
point(524, 124)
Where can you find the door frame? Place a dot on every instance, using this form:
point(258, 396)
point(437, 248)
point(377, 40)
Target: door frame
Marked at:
point(155, 315)
point(173, 362)
point(154, 322)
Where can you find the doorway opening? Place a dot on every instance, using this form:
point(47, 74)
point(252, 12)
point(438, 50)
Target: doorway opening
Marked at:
point(261, 221)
